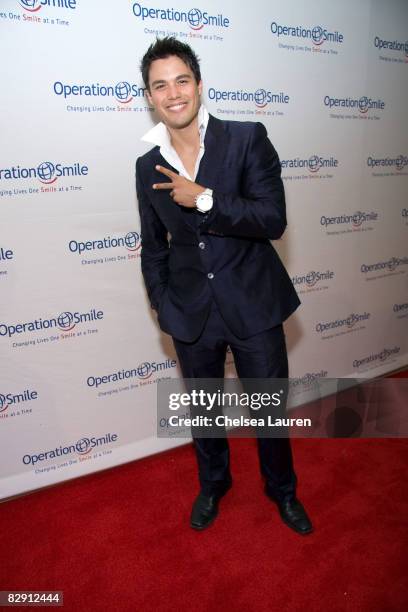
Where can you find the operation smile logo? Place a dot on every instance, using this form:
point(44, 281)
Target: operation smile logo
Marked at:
point(82, 447)
point(13, 399)
point(348, 323)
point(312, 278)
point(381, 357)
point(307, 380)
point(313, 164)
point(356, 220)
point(194, 18)
point(261, 97)
point(317, 34)
point(392, 45)
point(143, 372)
point(131, 241)
point(363, 104)
point(46, 173)
point(388, 266)
point(123, 92)
point(33, 6)
point(65, 322)
point(399, 162)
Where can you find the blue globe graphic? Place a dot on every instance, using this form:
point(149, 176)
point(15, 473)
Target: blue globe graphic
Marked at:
point(30, 3)
point(132, 240)
point(3, 402)
point(358, 218)
point(65, 320)
point(363, 104)
point(195, 17)
point(144, 370)
point(83, 446)
point(311, 278)
point(314, 163)
point(46, 171)
point(122, 90)
point(260, 97)
point(392, 264)
point(317, 34)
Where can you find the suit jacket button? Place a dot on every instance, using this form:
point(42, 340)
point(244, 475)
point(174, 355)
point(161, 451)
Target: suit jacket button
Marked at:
point(201, 245)
point(210, 275)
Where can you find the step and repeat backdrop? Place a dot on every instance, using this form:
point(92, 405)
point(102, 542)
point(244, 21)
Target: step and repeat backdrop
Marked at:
point(80, 350)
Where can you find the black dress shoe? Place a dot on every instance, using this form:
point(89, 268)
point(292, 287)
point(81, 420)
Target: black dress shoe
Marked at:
point(294, 515)
point(205, 510)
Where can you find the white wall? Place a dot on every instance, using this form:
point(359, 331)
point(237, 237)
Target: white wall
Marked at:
point(45, 47)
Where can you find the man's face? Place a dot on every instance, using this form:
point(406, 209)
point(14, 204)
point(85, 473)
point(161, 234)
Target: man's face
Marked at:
point(174, 92)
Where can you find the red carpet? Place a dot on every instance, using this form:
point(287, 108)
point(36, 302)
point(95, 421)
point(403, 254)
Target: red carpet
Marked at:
point(120, 540)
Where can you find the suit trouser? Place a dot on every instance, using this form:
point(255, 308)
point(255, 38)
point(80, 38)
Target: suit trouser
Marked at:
point(261, 356)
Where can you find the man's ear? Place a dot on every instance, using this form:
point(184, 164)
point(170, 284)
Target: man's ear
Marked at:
point(200, 87)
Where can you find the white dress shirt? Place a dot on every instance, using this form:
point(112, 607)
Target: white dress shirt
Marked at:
point(160, 137)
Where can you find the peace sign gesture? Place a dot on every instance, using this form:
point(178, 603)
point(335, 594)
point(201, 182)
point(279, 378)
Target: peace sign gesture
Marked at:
point(183, 191)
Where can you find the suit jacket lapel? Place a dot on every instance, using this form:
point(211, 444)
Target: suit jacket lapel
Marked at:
point(162, 197)
point(216, 146)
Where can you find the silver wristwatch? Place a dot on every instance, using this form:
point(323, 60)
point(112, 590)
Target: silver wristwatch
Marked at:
point(204, 201)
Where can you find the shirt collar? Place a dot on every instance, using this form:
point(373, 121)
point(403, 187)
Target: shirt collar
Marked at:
point(159, 135)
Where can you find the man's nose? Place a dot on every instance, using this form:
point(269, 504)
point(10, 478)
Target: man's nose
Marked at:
point(173, 91)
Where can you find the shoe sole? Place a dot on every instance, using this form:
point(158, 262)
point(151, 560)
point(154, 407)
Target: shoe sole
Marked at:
point(299, 531)
point(202, 527)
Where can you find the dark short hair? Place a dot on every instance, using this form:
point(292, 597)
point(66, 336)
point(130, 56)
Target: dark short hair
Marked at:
point(164, 47)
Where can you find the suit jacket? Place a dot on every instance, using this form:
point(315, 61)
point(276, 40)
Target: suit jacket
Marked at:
point(189, 259)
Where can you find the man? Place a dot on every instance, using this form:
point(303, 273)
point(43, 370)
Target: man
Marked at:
point(210, 199)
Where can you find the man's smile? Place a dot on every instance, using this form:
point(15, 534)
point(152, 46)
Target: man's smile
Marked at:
point(177, 107)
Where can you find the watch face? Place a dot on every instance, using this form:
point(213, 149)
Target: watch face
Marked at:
point(204, 202)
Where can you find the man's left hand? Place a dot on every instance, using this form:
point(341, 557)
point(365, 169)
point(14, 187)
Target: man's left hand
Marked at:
point(183, 191)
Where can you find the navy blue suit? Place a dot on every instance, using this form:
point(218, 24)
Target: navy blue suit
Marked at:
point(216, 280)
point(250, 285)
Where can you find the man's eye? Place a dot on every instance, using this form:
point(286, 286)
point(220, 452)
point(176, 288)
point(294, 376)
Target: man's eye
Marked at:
point(159, 86)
